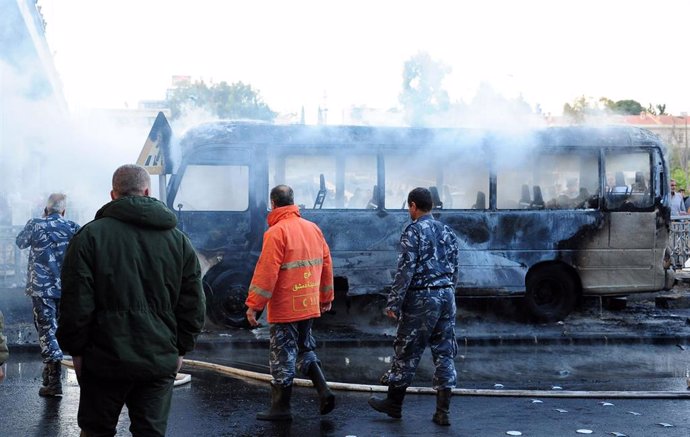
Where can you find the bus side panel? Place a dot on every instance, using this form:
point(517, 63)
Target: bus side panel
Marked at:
point(499, 248)
point(363, 245)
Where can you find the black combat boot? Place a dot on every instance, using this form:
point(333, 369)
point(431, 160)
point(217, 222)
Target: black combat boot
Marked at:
point(392, 404)
point(326, 397)
point(442, 407)
point(44, 374)
point(54, 386)
point(280, 404)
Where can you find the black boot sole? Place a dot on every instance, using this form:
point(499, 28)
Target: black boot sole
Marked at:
point(374, 403)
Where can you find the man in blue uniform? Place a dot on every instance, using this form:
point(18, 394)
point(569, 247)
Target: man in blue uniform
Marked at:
point(48, 238)
point(422, 300)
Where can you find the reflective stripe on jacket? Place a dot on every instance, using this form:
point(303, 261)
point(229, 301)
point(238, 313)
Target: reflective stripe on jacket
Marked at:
point(294, 273)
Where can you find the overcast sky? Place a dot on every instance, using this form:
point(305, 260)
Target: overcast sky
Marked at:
point(351, 52)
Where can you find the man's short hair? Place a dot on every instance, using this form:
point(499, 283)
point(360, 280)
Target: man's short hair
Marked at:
point(282, 195)
point(422, 198)
point(57, 203)
point(131, 180)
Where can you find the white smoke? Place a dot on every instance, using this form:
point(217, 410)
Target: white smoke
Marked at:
point(43, 149)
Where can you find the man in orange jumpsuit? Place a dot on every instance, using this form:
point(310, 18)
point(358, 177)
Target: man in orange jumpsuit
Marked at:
point(294, 280)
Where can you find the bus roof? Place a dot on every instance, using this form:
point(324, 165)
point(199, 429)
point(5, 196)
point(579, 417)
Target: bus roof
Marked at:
point(231, 132)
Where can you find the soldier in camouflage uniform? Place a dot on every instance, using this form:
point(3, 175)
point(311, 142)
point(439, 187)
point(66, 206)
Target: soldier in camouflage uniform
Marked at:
point(48, 238)
point(422, 300)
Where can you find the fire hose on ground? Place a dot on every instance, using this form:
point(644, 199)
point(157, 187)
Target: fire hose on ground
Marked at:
point(372, 388)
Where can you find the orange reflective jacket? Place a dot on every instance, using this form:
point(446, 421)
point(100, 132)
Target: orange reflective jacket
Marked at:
point(294, 273)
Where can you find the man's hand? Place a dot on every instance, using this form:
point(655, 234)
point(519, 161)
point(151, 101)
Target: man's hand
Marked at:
point(325, 307)
point(2, 372)
point(179, 364)
point(391, 314)
point(251, 317)
point(77, 366)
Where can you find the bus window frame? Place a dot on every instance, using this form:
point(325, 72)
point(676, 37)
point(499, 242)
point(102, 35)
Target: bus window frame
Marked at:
point(239, 156)
point(651, 151)
point(338, 156)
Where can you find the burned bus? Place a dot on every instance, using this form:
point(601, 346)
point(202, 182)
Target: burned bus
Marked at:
point(548, 215)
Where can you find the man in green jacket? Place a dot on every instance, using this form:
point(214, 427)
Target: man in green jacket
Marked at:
point(132, 306)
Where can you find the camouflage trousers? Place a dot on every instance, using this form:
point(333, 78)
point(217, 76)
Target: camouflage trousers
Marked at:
point(291, 349)
point(45, 319)
point(427, 319)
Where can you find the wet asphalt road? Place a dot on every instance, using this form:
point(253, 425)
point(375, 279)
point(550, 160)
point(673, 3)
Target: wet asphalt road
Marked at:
point(638, 348)
point(217, 405)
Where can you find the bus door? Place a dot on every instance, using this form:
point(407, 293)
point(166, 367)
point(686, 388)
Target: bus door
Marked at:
point(631, 258)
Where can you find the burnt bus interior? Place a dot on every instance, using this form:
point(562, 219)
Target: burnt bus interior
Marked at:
point(547, 216)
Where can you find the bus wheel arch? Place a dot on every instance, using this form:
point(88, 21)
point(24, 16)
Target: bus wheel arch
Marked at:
point(225, 297)
point(552, 290)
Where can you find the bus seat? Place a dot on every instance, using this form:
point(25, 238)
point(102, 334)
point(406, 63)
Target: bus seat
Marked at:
point(481, 201)
point(525, 200)
point(620, 188)
point(373, 203)
point(640, 186)
point(538, 202)
point(321, 195)
point(435, 198)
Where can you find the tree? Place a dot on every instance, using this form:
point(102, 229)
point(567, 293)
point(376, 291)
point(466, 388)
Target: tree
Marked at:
point(678, 174)
point(628, 107)
point(581, 108)
point(236, 101)
point(622, 107)
point(422, 88)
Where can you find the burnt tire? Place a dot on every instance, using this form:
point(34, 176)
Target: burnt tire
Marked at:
point(225, 298)
point(552, 293)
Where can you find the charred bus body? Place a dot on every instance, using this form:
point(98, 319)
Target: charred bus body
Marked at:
point(550, 215)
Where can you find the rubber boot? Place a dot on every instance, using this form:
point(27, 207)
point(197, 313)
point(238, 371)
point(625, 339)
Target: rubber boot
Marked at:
point(441, 416)
point(392, 404)
point(280, 404)
point(54, 386)
point(326, 397)
point(44, 374)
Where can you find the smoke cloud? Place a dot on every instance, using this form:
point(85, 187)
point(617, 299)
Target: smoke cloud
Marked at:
point(43, 149)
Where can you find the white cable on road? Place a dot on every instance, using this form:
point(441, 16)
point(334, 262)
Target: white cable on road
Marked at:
point(232, 371)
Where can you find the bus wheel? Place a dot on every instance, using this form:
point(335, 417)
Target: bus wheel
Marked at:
point(551, 293)
point(225, 299)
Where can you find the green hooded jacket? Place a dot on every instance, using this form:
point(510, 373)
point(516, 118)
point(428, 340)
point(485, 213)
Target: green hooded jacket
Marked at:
point(132, 299)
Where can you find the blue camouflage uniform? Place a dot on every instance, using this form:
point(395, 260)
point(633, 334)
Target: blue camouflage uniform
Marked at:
point(48, 238)
point(291, 351)
point(423, 299)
